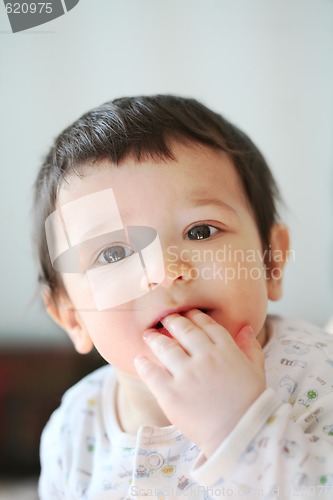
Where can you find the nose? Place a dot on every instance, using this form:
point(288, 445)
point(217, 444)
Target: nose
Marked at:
point(177, 270)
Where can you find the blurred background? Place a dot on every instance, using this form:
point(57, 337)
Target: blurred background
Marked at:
point(265, 64)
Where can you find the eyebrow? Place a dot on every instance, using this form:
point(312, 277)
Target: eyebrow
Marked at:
point(213, 201)
point(101, 230)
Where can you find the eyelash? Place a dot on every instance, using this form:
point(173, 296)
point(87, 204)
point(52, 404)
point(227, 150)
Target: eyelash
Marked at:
point(203, 224)
point(127, 253)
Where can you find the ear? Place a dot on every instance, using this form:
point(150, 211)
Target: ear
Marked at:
point(276, 260)
point(67, 317)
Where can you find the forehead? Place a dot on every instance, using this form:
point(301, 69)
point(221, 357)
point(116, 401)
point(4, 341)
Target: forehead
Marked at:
point(196, 173)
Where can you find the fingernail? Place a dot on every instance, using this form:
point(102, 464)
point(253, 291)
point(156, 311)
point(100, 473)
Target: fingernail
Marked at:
point(247, 330)
point(148, 333)
point(165, 320)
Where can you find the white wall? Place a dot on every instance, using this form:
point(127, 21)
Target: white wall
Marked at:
point(265, 64)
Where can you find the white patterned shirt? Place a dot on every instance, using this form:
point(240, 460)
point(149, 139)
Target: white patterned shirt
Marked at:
point(282, 448)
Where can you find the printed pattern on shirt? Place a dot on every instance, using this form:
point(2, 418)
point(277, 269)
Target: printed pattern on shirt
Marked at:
point(279, 451)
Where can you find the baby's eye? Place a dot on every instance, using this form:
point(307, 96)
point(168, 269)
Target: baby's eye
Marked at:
point(201, 232)
point(115, 253)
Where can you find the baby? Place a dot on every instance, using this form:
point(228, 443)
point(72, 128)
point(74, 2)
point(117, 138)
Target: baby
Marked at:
point(159, 244)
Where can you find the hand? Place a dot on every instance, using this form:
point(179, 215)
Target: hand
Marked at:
point(205, 380)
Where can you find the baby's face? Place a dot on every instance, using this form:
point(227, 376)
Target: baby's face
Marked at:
point(205, 250)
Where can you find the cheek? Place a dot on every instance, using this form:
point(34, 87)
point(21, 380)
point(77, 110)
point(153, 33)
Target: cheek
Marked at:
point(101, 328)
point(252, 299)
point(79, 291)
point(243, 296)
point(114, 337)
point(257, 303)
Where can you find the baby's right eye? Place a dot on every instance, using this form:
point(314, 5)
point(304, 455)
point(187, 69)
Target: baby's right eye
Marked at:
point(114, 253)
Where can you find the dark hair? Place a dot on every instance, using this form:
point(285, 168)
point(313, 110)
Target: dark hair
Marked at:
point(144, 127)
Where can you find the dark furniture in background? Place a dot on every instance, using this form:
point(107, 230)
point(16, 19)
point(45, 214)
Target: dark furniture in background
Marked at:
point(32, 382)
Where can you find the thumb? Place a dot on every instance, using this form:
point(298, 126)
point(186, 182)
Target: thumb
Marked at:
point(249, 345)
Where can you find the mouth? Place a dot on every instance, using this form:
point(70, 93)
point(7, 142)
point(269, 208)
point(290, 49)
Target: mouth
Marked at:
point(161, 329)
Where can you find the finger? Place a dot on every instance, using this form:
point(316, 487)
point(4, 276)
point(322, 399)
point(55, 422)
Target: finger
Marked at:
point(249, 345)
point(151, 374)
point(165, 349)
point(212, 328)
point(189, 335)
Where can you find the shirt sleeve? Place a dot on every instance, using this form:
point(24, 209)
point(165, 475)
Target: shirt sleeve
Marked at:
point(273, 454)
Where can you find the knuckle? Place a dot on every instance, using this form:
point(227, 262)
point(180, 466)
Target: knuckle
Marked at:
point(209, 321)
point(167, 346)
point(188, 328)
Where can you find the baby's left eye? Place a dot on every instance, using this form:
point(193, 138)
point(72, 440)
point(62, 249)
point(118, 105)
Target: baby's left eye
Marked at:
point(114, 253)
point(201, 232)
